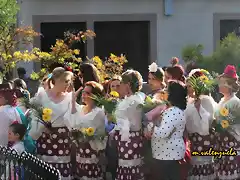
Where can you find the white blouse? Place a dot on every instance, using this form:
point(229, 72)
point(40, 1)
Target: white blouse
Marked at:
point(8, 115)
point(233, 105)
point(19, 147)
point(58, 118)
point(200, 122)
point(94, 119)
point(129, 115)
point(167, 139)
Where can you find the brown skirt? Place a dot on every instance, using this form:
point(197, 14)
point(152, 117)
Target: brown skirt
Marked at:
point(130, 157)
point(54, 148)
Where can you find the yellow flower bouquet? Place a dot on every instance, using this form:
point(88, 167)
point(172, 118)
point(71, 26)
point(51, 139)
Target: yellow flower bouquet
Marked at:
point(86, 134)
point(226, 117)
point(109, 104)
point(202, 84)
point(42, 114)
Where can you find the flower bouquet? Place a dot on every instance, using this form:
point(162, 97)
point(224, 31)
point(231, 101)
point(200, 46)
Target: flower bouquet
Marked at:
point(109, 104)
point(42, 114)
point(149, 105)
point(202, 84)
point(86, 134)
point(226, 117)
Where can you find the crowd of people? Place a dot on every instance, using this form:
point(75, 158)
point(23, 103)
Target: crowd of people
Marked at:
point(154, 145)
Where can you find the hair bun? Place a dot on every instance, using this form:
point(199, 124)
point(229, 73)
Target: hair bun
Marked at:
point(174, 61)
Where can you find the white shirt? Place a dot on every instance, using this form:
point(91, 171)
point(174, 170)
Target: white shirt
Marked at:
point(167, 139)
point(8, 115)
point(19, 147)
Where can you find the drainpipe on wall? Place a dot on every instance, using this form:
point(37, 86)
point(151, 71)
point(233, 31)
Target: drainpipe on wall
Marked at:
point(168, 7)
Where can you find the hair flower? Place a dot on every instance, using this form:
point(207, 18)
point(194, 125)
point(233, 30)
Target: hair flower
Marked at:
point(153, 67)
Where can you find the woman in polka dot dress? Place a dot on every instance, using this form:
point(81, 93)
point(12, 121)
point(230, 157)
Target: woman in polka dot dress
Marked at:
point(53, 146)
point(128, 132)
point(89, 154)
point(199, 118)
point(227, 166)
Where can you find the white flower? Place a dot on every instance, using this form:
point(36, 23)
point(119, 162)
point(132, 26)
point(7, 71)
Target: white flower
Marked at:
point(153, 67)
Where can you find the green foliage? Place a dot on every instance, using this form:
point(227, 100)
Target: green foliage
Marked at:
point(192, 53)
point(201, 85)
point(8, 14)
point(227, 52)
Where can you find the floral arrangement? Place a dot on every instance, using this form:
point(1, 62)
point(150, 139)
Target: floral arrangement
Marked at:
point(110, 67)
point(202, 84)
point(62, 53)
point(42, 114)
point(109, 104)
point(86, 135)
point(150, 103)
point(227, 116)
point(10, 41)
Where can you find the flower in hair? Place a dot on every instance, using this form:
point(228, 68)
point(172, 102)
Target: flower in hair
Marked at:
point(153, 67)
point(49, 76)
point(68, 68)
point(230, 71)
point(15, 122)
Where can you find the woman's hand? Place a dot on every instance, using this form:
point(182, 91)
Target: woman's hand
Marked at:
point(78, 92)
point(148, 134)
point(156, 112)
point(197, 104)
point(74, 98)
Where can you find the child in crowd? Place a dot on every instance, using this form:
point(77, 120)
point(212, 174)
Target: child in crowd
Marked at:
point(16, 135)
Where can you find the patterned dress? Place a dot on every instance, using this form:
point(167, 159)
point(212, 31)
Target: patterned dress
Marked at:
point(201, 138)
point(129, 138)
point(89, 154)
point(227, 166)
point(54, 147)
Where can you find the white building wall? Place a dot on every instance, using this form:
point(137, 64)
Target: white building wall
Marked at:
point(191, 22)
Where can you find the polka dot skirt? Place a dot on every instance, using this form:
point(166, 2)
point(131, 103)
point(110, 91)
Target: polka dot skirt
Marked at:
point(227, 166)
point(202, 143)
point(88, 170)
point(57, 144)
point(130, 150)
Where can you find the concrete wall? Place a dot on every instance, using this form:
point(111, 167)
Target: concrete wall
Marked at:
point(192, 20)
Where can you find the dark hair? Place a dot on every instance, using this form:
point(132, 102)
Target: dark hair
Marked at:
point(21, 71)
point(58, 72)
point(89, 73)
point(177, 94)
point(19, 129)
point(134, 78)
point(164, 68)
point(97, 89)
point(177, 72)
point(19, 84)
point(159, 74)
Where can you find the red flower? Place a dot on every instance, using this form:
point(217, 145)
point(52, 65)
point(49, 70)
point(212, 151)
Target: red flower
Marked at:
point(15, 122)
point(68, 68)
point(230, 71)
